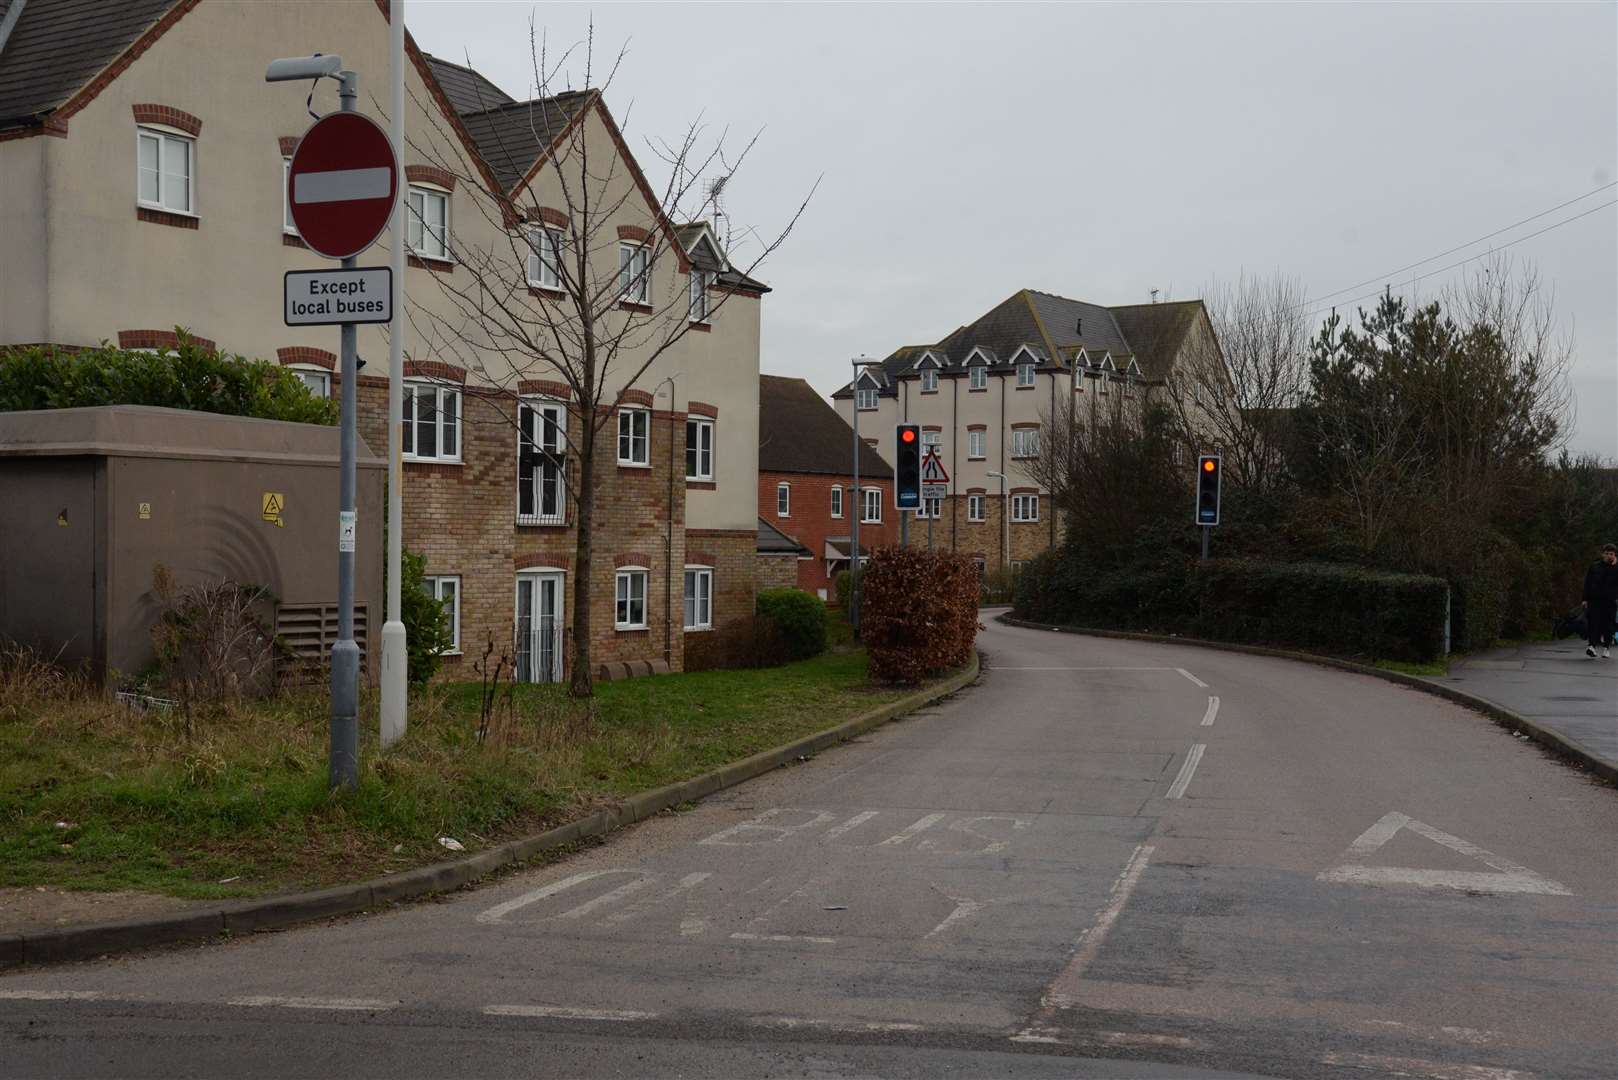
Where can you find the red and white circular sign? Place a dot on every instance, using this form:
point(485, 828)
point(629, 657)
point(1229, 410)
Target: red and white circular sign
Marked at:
point(342, 184)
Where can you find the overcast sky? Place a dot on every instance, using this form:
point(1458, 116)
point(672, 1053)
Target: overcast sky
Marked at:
point(1101, 151)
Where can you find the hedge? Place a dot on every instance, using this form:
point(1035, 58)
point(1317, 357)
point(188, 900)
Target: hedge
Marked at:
point(918, 612)
point(799, 616)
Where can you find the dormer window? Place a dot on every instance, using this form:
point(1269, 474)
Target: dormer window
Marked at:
point(865, 398)
point(977, 377)
point(1025, 375)
point(929, 381)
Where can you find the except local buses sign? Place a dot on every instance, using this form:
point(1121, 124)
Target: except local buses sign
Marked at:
point(324, 297)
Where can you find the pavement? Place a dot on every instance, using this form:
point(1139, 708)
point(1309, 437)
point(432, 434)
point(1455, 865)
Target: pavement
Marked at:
point(1551, 683)
point(1109, 858)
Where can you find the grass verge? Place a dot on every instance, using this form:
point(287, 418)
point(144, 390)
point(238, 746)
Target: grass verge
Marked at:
point(94, 796)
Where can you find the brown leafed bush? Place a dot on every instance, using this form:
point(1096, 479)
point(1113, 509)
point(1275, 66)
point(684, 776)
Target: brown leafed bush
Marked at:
point(753, 642)
point(918, 612)
point(213, 640)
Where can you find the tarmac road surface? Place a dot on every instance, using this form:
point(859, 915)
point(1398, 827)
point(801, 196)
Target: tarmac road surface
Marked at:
point(1108, 858)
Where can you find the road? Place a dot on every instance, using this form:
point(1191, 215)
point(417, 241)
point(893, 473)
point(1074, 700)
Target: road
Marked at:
point(1108, 858)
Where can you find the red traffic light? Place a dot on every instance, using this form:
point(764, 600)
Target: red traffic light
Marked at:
point(908, 435)
point(1208, 465)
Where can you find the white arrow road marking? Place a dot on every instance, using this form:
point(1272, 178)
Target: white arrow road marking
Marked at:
point(1187, 770)
point(1213, 711)
point(1507, 878)
point(341, 185)
point(1192, 677)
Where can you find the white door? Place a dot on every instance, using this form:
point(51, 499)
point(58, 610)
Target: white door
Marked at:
point(539, 627)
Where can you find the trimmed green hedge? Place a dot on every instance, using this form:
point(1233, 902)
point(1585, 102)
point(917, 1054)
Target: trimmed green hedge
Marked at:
point(1333, 608)
point(187, 376)
point(799, 616)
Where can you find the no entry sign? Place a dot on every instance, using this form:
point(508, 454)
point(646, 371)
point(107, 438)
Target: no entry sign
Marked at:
point(342, 184)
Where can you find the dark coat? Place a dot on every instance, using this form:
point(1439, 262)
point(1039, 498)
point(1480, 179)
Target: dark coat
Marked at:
point(1601, 584)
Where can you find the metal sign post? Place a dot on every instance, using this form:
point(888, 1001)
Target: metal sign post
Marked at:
point(342, 187)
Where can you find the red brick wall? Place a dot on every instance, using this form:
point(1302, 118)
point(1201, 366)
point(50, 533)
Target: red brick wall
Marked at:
point(810, 522)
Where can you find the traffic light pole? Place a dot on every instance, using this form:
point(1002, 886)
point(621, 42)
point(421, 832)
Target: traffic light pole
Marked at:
point(904, 529)
point(1205, 531)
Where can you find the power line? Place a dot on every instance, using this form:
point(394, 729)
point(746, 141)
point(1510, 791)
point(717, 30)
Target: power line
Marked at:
point(1462, 262)
point(1488, 236)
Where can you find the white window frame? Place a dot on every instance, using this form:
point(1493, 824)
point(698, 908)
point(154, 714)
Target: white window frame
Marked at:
point(623, 594)
point(865, 398)
point(634, 281)
point(836, 500)
point(549, 419)
point(420, 237)
point(633, 441)
point(977, 445)
point(704, 448)
point(1025, 509)
point(446, 426)
point(1024, 442)
point(435, 585)
point(543, 274)
point(288, 226)
point(783, 500)
point(871, 498)
point(929, 381)
point(934, 439)
point(318, 380)
point(697, 609)
point(167, 141)
point(930, 509)
point(977, 377)
point(975, 507)
point(701, 280)
point(1025, 374)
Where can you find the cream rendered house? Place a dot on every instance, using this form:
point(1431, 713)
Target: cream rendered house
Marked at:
point(985, 394)
point(143, 156)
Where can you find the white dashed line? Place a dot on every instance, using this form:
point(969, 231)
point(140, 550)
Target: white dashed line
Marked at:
point(338, 1004)
point(568, 1012)
point(1192, 677)
point(791, 1022)
point(1187, 770)
point(784, 937)
point(1213, 711)
point(1431, 1070)
point(52, 995)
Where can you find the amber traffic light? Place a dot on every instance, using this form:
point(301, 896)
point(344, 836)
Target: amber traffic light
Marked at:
point(1208, 471)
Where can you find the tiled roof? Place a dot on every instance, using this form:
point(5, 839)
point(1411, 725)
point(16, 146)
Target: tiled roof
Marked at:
point(772, 541)
point(466, 89)
point(799, 432)
point(57, 46)
point(511, 137)
point(1157, 331)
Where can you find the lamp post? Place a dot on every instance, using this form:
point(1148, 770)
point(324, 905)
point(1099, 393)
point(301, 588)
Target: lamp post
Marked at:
point(860, 363)
point(1005, 523)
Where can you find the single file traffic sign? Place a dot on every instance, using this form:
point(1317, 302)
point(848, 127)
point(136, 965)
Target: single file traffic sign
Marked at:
point(342, 183)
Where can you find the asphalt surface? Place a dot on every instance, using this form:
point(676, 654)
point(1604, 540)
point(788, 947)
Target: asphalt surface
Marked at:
point(1552, 683)
point(1083, 866)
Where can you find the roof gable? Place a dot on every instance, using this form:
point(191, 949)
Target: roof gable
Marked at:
point(799, 432)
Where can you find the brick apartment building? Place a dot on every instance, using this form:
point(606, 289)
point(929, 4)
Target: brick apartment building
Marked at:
point(985, 393)
point(143, 164)
point(805, 481)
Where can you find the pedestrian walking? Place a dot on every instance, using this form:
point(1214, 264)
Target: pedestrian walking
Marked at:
point(1601, 601)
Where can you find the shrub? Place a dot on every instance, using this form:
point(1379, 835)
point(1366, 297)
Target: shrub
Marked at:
point(753, 642)
point(843, 586)
point(1326, 607)
point(188, 376)
point(213, 642)
point(918, 612)
point(426, 623)
point(800, 617)
point(1062, 586)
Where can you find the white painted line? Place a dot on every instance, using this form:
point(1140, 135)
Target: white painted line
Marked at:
point(1143, 1038)
point(568, 1012)
point(1187, 770)
point(1031, 1035)
point(964, 908)
point(336, 1004)
point(1213, 711)
point(1192, 677)
point(340, 185)
point(51, 995)
point(918, 827)
point(1474, 1036)
point(1062, 990)
point(635, 911)
point(606, 899)
point(500, 911)
point(742, 936)
point(852, 823)
point(1507, 878)
point(790, 1022)
point(1433, 1070)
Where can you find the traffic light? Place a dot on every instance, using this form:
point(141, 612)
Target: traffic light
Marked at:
point(907, 467)
point(1208, 472)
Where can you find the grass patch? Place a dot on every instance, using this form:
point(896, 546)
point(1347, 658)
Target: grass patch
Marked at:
point(1435, 667)
point(94, 796)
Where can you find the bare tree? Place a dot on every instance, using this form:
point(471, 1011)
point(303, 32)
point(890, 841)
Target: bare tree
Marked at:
point(549, 297)
point(1235, 391)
